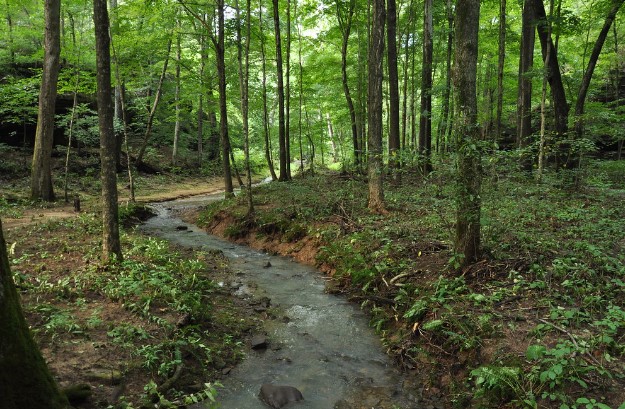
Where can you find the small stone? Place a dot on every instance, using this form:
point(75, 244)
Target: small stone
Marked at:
point(259, 342)
point(267, 264)
point(226, 371)
point(278, 396)
point(181, 227)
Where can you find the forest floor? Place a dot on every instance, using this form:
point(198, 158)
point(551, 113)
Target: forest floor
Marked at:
point(538, 321)
point(152, 329)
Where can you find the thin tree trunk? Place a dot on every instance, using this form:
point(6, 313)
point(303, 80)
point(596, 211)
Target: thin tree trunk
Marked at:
point(301, 89)
point(311, 142)
point(404, 112)
point(394, 142)
point(374, 108)
point(543, 103)
point(111, 247)
point(500, 66)
point(444, 126)
point(284, 175)
point(467, 240)
point(264, 94)
point(119, 138)
point(223, 107)
point(560, 104)
point(592, 63)
point(425, 120)
point(335, 157)
point(70, 136)
point(243, 51)
point(524, 105)
point(287, 91)
point(152, 112)
point(345, 24)
point(174, 154)
point(41, 187)
point(122, 99)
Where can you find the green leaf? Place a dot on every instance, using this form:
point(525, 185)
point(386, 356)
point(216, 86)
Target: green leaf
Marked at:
point(535, 352)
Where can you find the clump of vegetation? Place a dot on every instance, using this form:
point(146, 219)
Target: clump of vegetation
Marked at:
point(538, 322)
point(149, 322)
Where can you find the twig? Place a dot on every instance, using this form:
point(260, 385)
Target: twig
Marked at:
point(572, 338)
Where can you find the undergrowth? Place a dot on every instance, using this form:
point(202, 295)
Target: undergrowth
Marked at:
point(538, 322)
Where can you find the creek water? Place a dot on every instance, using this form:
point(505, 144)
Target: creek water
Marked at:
point(324, 345)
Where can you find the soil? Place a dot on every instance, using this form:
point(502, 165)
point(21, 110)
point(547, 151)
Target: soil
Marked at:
point(47, 252)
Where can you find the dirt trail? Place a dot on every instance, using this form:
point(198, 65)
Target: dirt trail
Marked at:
point(64, 211)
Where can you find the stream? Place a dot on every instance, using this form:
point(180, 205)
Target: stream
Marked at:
point(324, 347)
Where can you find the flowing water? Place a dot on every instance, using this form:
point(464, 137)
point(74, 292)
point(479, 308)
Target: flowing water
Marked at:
point(324, 346)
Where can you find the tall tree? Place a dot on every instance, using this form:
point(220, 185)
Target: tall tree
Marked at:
point(41, 187)
point(444, 125)
point(374, 107)
point(501, 66)
point(284, 175)
point(345, 18)
point(111, 246)
point(524, 102)
point(25, 381)
point(615, 5)
point(394, 141)
point(425, 120)
point(467, 240)
point(174, 154)
point(220, 51)
point(264, 94)
point(243, 52)
point(287, 91)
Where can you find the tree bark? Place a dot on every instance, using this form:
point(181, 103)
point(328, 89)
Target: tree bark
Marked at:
point(500, 66)
point(444, 126)
point(560, 104)
point(524, 103)
point(284, 175)
point(592, 63)
point(425, 119)
point(345, 24)
point(174, 154)
point(287, 92)
point(467, 240)
point(394, 141)
point(223, 107)
point(244, 70)
point(374, 107)
point(41, 187)
point(25, 381)
point(264, 94)
point(152, 112)
point(111, 246)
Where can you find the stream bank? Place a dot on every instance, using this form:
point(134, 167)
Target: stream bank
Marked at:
point(320, 343)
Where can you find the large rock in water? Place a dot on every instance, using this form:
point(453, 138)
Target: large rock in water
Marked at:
point(277, 396)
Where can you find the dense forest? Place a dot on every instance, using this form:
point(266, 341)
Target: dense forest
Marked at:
point(450, 160)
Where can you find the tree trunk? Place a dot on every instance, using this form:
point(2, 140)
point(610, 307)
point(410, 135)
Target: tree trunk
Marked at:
point(111, 246)
point(174, 154)
point(560, 104)
point(543, 103)
point(301, 90)
point(406, 79)
point(223, 107)
point(244, 70)
point(335, 157)
point(287, 91)
point(467, 240)
point(425, 119)
point(524, 104)
point(500, 66)
point(41, 187)
point(284, 176)
point(264, 94)
point(394, 142)
point(25, 381)
point(444, 126)
point(345, 24)
point(592, 63)
point(152, 112)
point(119, 137)
point(374, 108)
